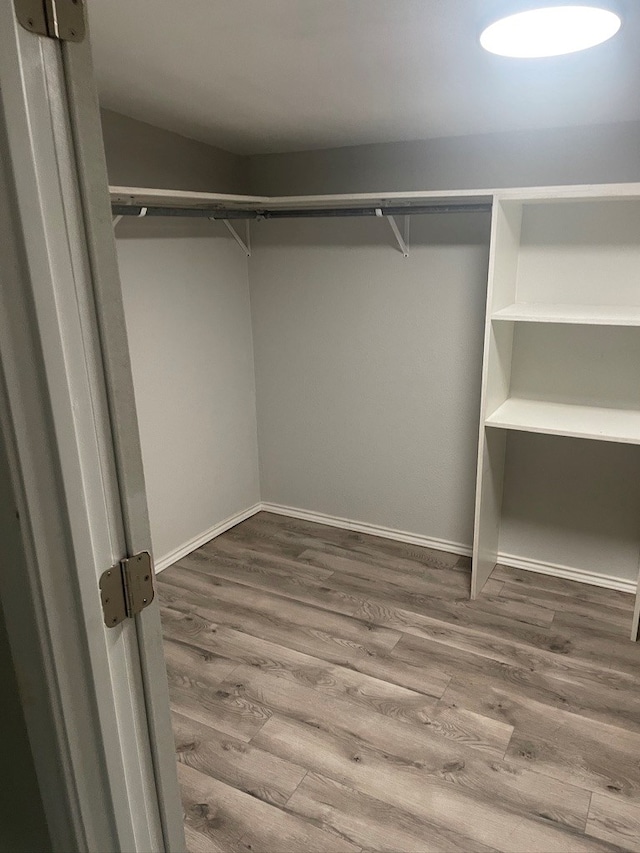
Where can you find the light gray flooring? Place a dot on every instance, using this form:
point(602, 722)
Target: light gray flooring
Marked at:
point(338, 692)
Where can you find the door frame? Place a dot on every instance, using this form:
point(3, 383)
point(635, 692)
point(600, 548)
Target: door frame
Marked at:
point(95, 699)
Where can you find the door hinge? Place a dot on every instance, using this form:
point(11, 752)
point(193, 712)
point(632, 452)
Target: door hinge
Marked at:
point(126, 588)
point(58, 19)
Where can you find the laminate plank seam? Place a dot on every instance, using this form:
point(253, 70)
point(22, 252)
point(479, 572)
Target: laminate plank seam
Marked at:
point(586, 822)
point(314, 822)
point(286, 802)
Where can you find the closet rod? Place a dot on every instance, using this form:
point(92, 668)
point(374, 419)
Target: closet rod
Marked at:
point(322, 212)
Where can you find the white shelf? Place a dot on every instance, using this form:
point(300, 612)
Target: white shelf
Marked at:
point(176, 198)
point(150, 196)
point(588, 315)
point(600, 424)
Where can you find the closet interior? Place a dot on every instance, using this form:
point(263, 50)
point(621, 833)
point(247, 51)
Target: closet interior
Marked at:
point(344, 371)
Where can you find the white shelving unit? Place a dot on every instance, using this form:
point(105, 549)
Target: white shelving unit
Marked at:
point(562, 351)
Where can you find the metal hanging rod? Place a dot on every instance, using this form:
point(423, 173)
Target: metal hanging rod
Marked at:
point(319, 213)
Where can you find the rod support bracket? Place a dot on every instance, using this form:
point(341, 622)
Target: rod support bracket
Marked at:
point(401, 239)
point(245, 244)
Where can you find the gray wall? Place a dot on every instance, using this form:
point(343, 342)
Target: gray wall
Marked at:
point(368, 383)
point(140, 155)
point(186, 297)
point(368, 369)
point(595, 154)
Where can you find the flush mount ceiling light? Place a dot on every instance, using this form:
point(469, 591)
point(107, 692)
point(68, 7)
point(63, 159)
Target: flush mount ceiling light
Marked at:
point(550, 31)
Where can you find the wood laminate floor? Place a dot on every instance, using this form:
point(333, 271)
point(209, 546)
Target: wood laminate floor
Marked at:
point(333, 691)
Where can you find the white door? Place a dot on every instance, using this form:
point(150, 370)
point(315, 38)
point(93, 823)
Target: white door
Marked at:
point(95, 698)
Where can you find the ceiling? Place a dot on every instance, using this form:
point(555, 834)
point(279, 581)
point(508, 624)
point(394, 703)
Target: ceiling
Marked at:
point(257, 76)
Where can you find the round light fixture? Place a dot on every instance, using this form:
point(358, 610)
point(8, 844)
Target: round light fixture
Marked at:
point(550, 31)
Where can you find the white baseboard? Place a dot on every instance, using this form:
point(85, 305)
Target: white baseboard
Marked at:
point(511, 560)
point(203, 538)
point(568, 572)
point(371, 529)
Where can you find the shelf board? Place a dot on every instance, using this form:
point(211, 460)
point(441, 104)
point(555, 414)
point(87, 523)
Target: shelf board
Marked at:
point(593, 422)
point(149, 196)
point(588, 315)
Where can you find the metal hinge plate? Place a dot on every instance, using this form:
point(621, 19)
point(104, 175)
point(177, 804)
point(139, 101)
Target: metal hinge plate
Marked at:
point(126, 588)
point(58, 19)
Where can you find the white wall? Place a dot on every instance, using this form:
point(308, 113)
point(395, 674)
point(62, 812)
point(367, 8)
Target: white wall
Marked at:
point(186, 297)
point(368, 368)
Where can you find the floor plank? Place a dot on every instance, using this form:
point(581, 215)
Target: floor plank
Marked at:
point(358, 543)
point(202, 697)
point(577, 592)
point(318, 618)
point(370, 822)
point(206, 817)
point(197, 842)
point(318, 592)
point(616, 822)
point(255, 650)
point(414, 731)
point(616, 617)
point(234, 648)
point(235, 762)
point(333, 690)
point(250, 824)
point(453, 808)
point(556, 681)
point(559, 743)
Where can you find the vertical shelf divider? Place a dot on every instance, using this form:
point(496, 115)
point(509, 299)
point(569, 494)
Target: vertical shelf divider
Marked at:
point(496, 375)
